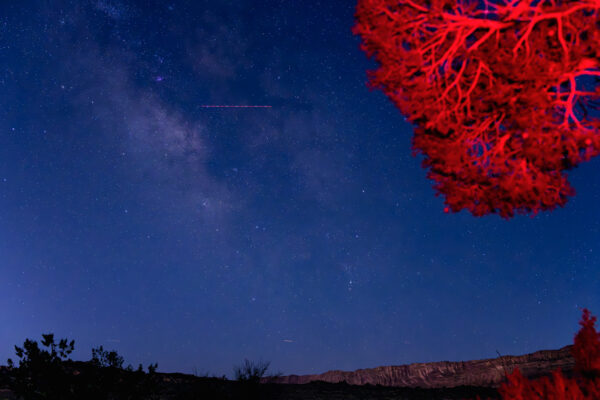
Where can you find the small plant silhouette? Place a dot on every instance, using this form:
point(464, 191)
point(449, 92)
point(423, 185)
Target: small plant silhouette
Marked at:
point(250, 371)
point(50, 375)
point(249, 375)
point(41, 373)
point(103, 358)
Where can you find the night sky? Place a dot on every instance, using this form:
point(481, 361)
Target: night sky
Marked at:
point(305, 234)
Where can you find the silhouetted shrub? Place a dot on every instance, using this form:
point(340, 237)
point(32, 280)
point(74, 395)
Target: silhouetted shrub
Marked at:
point(103, 358)
point(152, 368)
point(250, 371)
point(41, 373)
point(49, 375)
point(248, 375)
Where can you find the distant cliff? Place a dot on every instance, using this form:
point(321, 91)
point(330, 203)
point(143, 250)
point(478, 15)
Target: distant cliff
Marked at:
point(488, 372)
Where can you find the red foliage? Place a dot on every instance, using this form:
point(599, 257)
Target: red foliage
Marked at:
point(586, 348)
point(492, 92)
point(585, 385)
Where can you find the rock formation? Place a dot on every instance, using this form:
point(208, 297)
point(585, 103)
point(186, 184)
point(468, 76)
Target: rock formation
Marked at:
point(488, 372)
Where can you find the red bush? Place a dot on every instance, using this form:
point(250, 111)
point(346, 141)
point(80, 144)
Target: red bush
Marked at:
point(586, 348)
point(495, 93)
point(585, 385)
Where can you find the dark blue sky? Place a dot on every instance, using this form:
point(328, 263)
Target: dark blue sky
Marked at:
point(304, 234)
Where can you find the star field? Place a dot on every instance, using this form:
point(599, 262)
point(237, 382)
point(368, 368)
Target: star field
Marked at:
point(304, 234)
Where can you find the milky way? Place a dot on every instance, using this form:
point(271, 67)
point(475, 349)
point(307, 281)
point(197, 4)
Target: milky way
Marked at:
point(303, 233)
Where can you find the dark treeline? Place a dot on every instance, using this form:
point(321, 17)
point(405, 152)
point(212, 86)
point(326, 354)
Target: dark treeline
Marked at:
point(50, 374)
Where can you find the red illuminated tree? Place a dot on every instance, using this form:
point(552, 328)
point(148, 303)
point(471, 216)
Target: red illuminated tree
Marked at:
point(584, 386)
point(586, 348)
point(495, 92)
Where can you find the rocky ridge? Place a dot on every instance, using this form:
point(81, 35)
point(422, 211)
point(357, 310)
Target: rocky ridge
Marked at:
point(487, 372)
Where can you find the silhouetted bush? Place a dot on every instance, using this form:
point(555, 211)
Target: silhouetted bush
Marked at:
point(249, 374)
point(41, 373)
point(103, 358)
point(49, 375)
point(250, 371)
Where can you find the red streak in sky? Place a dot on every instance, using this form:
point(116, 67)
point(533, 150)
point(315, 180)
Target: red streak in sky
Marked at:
point(236, 106)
